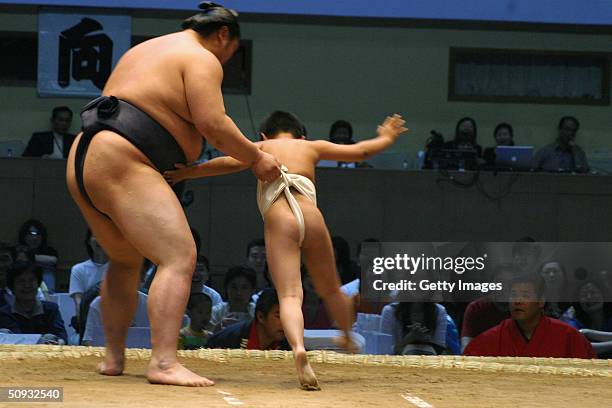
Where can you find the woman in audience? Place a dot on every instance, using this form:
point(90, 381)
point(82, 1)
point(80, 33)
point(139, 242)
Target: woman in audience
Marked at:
point(418, 328)
point(555, 279)
point(239, 286)
point(504, 136)
point(592, 311)
point(27, 314)
point(466, 135)
point(33, 234)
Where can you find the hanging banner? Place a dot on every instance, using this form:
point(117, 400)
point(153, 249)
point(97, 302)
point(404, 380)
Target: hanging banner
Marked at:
point(77, 51)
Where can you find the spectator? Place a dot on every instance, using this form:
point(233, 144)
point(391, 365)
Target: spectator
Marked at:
point(466, 135)
point(27, 314)
point(94, 317)
point(85, 275)
point(195, 335)
point(201, 277)
point(556, 283)
point(564, 155)
point(6, 263)
point(23, 254)
point(239, 285)
point(528, 333)
point(341, 132)
point(526, 255)
point(592, 311)
point(504, 136)
point(33, 234)
point(348, 270)
point(56, 143)
point(264, 332)
point(256, 259)
point(418, 328)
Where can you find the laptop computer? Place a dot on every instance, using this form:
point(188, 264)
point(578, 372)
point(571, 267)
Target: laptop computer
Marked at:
point(514, 157)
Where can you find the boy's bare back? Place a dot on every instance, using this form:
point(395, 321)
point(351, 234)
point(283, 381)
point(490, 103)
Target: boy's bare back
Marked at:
point(298, 155)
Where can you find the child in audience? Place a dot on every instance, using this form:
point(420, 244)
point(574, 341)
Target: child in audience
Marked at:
point(195, 335)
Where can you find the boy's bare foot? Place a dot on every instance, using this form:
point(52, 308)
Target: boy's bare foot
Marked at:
point(307, 377)
point(113, 362)
point(347, 344)
point(174, 374)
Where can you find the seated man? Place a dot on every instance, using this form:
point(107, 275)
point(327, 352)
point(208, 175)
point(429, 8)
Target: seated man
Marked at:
point(256, 259)
point(264, 332)
point(564, 155)
point(196, 334)
point(529, 333)
point(201, 276)
point(85, 275)
point(27, 314)
point(54, 144)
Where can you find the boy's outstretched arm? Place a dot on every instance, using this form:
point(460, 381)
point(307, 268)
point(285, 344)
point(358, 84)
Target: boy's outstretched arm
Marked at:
point(215, 167)
point(388, 132)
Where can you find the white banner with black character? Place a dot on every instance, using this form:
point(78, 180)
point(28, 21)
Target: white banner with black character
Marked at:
point(77, 51)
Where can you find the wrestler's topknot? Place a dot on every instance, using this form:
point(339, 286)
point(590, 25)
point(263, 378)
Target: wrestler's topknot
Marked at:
point(212, 18)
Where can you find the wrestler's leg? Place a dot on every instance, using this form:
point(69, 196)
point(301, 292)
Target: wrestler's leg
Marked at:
point(319, 258)
point(284, 259)
point(120, 286)
point(149, 216)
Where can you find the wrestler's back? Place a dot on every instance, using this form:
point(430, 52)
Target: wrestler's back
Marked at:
point(298, 155)
point(150, 77)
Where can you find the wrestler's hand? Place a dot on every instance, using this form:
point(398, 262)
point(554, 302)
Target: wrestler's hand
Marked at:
point(178, 175)
point(392, 127)
point(266, 167)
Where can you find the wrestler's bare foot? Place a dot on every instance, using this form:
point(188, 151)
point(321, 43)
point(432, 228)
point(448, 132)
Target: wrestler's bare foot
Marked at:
point(113, 362)
point(347, 344)
point(307, 377)
point(173, 373)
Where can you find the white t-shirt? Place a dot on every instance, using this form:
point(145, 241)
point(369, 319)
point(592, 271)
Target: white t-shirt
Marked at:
point(94, 316)
point(85, 275)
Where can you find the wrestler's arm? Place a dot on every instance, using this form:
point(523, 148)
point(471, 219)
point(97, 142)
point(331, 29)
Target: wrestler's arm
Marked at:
point(202, 77)
point(388, 132)
point(216, 167)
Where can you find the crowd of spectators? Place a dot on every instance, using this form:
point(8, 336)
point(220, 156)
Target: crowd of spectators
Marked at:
point(246, 315)
point(461, 151)
point(243, 311)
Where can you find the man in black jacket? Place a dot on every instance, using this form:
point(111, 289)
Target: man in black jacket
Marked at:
point(56, 143)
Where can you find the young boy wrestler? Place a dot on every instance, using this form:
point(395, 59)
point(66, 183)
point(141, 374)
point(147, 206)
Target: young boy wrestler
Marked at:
point(294, 226)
